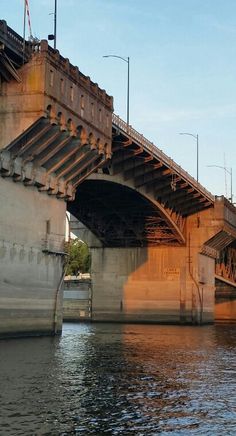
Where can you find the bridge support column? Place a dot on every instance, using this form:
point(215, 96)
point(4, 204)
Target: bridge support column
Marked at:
point(31, 260)
point(153, 284)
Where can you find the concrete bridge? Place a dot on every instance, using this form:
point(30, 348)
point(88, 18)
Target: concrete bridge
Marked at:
point(157, 237)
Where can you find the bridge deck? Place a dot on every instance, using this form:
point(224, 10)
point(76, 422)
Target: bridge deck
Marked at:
point(14, 44)
point(14, 52)
point(138, 158)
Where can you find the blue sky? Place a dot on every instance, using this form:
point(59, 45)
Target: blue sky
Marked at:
point(182, 62)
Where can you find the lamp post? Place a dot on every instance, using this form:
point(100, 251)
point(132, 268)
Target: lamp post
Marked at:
point(55, 24)
point(197, 139)
point(53, 37)
point(230, 172)
point(127, 61)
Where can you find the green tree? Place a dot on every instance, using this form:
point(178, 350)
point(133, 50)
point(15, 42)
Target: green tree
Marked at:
point(78, 257)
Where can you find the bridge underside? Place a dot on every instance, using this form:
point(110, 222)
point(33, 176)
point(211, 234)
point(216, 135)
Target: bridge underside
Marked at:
point(120, 216)
point(48, 156)
point(139, 160)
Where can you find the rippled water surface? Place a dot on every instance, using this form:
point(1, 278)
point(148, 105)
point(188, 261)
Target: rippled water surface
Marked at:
point(109, 379)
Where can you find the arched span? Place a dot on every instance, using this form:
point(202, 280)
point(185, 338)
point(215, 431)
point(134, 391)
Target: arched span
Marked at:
point(121, 217)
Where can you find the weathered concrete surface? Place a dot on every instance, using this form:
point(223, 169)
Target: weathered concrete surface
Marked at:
point(50, 82)
point(55, 128)
point(31, 229)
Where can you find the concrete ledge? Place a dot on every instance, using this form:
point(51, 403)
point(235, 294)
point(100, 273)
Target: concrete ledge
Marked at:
point(146, 322)
point(150, 319)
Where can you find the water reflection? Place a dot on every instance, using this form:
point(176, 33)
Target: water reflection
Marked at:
point(111, 379)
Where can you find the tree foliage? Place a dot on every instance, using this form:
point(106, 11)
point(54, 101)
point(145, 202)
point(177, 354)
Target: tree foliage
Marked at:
point(78, 257)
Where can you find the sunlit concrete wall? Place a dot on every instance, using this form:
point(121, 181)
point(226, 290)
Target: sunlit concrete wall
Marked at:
point(225, 311)
point(225, 308)
point(151, 285)
point(155, 284)
point(48, 79)
point(31, 233)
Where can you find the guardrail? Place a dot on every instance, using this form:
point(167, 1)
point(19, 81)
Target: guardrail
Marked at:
point(10, 35)
point(151, 147)
point(12, 40)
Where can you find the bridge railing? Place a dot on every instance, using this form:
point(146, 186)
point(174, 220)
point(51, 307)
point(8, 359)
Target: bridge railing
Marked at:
point(8, 34)
point(151, 147)
point(10, 38)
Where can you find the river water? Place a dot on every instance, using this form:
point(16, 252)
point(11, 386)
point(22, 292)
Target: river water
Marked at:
point(111, 379)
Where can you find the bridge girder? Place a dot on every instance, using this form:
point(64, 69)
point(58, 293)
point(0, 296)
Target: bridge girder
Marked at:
point(138, 166)
point(182, 196)
point(155, 172)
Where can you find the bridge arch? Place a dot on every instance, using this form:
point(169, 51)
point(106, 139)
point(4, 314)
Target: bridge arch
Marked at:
point(121, 216)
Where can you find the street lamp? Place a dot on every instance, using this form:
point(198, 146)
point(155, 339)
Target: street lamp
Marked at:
point(230, 172)
point(127, 61)
point(195, 137)
point(55, 24)
point(53, 37)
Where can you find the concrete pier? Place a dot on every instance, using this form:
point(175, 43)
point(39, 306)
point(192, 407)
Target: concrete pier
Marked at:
point(31, 263)
point(150, 285)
